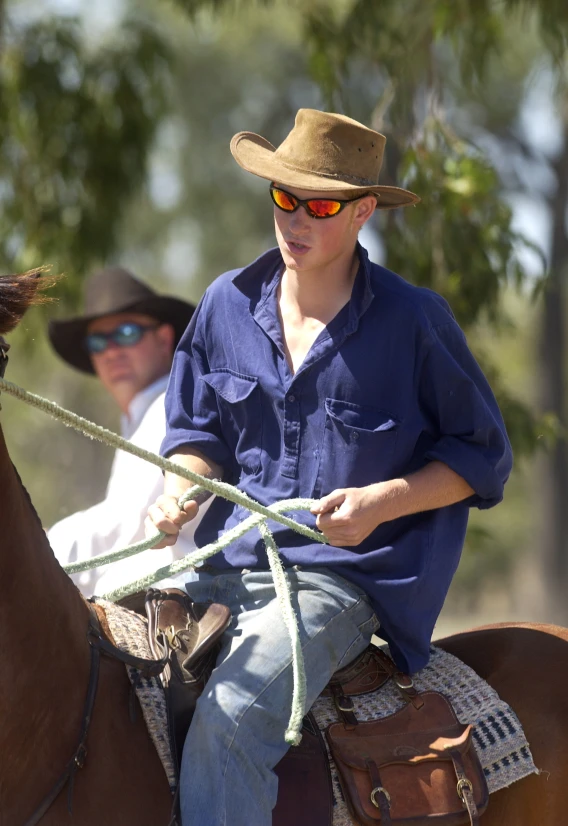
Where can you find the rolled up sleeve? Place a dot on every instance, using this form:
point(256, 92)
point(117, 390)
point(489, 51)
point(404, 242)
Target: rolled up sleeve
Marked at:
point(192, 414)
point(469, 432)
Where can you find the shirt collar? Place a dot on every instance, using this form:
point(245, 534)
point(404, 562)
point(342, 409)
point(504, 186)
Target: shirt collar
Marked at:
point(256, 279)
point(257, 282)
point(362, 293)
point(140, 404)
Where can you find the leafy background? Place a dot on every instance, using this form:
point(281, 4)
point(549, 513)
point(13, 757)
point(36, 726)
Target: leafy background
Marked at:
point(114, 149)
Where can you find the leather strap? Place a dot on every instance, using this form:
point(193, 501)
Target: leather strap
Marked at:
point(97, 644)
point(464, 787)
point(147, 668)
point(402, 681)
point(379, 795)
point(78, 759)
point(344, 706)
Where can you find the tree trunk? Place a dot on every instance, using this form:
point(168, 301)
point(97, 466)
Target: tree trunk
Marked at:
point(554, 507)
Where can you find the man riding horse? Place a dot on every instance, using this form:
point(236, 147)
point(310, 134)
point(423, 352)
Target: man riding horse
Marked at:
point(315, 373)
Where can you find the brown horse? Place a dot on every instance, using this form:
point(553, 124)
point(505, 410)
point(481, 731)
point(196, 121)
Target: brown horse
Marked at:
point(44, 673)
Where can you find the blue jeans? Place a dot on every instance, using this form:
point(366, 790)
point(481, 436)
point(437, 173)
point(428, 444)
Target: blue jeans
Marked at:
point(237, 733)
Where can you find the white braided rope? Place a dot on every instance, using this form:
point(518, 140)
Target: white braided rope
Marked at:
point(282, 588)
point(129, 550)
point(201, 554)
point(95, 431)
point(257, 519)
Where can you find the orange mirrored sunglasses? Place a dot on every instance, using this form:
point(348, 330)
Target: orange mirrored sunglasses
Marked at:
point(315, 207)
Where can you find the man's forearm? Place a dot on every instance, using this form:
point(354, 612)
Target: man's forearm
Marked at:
point(195, 461)
point(434, 486)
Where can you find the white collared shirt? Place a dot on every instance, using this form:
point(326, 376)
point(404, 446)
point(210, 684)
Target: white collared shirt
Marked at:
point(118, 520)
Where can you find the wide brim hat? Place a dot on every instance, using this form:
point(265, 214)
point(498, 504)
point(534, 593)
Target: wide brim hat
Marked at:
point(323, 152)
point(108, 292)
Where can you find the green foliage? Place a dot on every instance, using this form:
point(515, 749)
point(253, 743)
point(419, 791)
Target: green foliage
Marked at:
point(527, 430)
point(425, 72)
point(553, 22)
point(80, 124)
point(370, 63)
point(193, 7)
point(228, 75)
point(459, 241)
point(400, 38)
point(77, 126)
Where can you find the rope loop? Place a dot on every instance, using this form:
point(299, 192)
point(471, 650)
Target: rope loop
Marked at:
point(258, 518)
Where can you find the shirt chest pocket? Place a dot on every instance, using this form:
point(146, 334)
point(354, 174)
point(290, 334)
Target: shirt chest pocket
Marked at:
point(240, 412)
point(358, 446)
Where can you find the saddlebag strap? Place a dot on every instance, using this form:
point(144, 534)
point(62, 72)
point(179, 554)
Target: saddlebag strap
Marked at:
point(379, 795)
point(402, 681)
point(344, 705)
point(187, 635)
point(365, 674)
point(402, 769)
point(369, 672)
point(464, 786)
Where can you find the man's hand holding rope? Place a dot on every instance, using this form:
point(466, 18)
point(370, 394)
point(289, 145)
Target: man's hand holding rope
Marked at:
point(165, 514)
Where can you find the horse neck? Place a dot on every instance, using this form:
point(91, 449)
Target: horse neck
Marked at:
point(43, 622)
point(30, 576)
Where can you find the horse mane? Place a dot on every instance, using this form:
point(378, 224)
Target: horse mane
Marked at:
point(18, 292)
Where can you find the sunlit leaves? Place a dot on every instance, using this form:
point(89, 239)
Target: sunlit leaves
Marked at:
point(76, 128)
point(459, 240)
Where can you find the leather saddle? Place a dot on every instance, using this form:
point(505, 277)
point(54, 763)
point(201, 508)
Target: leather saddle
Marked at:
point(190, 634)
point(410, 768)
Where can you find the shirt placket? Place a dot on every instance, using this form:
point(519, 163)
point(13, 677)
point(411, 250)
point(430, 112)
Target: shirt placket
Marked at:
point(292, 428)
point(266, 316)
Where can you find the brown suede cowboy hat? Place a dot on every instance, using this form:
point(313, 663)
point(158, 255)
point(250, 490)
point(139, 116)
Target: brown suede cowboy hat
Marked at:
point(114, 290)
point(323, 152)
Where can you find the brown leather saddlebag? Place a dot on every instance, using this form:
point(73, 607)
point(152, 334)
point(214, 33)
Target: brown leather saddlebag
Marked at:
point(417, 767)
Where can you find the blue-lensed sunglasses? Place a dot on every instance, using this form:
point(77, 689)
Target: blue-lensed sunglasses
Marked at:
point(125, 335)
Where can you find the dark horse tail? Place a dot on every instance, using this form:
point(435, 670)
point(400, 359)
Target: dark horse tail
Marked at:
point(18, 292)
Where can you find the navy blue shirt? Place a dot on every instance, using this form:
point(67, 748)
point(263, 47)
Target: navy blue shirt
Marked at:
point(388, 386)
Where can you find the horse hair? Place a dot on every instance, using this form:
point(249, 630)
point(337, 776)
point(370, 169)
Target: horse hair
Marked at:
point(18, 292)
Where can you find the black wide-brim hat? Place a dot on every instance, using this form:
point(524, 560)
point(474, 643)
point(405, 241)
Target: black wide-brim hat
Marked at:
point(108, 292)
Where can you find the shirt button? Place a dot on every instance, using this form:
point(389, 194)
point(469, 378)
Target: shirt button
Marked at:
point(354, 436)
point(291, 398)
